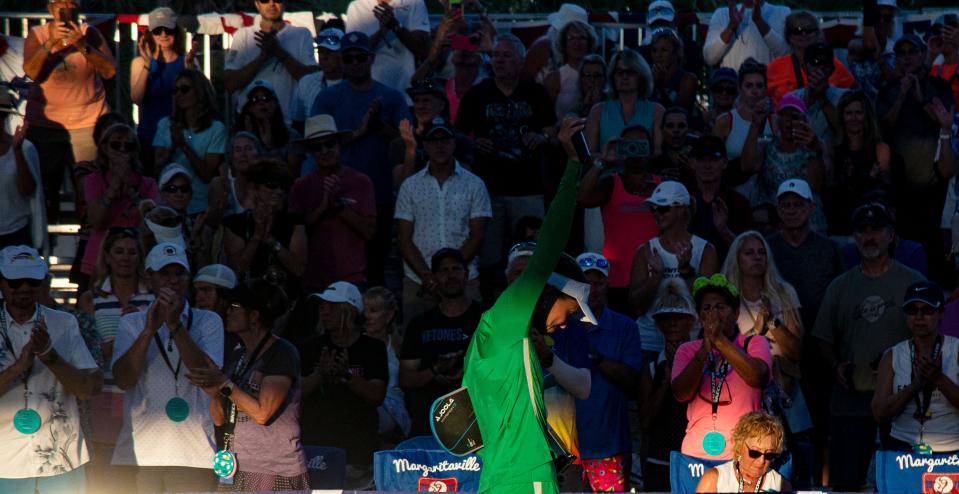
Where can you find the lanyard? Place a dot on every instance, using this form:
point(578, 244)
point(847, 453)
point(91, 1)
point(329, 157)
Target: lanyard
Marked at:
point(923, 403)
point(742, 483)
point(7, 343)
point(163, 352)
point(241, 367)
point(717, 378)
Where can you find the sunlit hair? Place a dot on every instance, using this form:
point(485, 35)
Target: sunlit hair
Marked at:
point(558, 39)
point(635, 62)
point(798, 18)
point(257, 145)
point(345, 313)
point(871, 135)
point(756, 425)
point(103, 270)
point(780, 292)
point(206, 100)
point(673, 297)
point(380, 298)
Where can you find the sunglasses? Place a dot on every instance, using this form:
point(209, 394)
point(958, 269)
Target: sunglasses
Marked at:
point(803, 30)
point(727, 90)
point(128, 146)
point(173, 189)
point(589, 262)
point(925, 310)
point(18, 282)
point(163, 30)
point(657, 209)
point(234, 306)
point(756, 454)
point(261, 99)
point(323, 144)
point(181, 89)
point(356, 58)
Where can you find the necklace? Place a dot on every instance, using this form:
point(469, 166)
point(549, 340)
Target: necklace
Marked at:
point(743, 482)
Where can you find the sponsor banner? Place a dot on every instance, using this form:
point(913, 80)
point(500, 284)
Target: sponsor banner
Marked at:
point(424, 470)
point(898, 471)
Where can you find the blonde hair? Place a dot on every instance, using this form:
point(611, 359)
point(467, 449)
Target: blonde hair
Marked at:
point(756, 425)
point(779, 291)
point(673, 297)
point(384, 300)
point(103, 270)
point(634, 61)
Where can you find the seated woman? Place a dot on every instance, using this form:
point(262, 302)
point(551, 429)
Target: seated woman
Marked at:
point(916, 389)
point(758, 441)
point(722, 375)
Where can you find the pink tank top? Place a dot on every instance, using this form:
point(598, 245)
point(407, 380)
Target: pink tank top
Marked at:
point(628, 223)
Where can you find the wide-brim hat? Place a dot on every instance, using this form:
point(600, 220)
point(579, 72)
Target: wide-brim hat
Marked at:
point(321, 126)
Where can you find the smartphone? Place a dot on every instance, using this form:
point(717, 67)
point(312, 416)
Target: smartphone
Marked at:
point(582, 148)
point(464, 42)
point(68, 15)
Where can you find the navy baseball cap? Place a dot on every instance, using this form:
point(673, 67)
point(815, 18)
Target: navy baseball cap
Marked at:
point(355, 41)
point(926, 292)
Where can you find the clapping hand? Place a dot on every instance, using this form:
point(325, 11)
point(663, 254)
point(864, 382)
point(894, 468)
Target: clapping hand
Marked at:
point(384, 14)
point(268, 44)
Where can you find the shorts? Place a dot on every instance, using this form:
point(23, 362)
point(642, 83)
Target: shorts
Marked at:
point(606, 474)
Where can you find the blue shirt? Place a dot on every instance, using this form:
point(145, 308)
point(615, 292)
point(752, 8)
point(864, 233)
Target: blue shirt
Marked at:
point(601, 420)
point(158, 100)
point(211, 140)
point(370, 154)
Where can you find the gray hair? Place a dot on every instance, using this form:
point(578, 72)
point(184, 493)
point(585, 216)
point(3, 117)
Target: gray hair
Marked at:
point(634, 61)
point(513, 40)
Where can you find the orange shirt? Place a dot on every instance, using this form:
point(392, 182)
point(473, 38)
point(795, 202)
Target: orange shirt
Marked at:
point(948, 73)
point(782, 77)
point(72, 94)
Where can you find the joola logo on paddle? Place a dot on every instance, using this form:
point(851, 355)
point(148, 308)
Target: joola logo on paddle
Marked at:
point(445, 410)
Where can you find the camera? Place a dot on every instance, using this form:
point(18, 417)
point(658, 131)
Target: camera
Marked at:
point(632, 148)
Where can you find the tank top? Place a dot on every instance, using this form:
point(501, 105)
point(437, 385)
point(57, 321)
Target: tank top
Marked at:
point(611, 118)
point(941, 430)
point(627, 224)
point(568, 85)
point(726, 482)
point(738, 132)
point(649, 334)
point(157, 102)
point(72, 96)
point(107, 309)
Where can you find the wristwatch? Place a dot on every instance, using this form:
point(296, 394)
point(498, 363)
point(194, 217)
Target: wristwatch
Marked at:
point(599, 163)
point(226, 390)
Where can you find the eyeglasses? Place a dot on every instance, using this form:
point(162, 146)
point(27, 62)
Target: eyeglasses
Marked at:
point(234, 306)
point(803, 30)
point(173, 189)
point(163, 30)
point(727, 90)
point(356, 58)
point(589, 262)
point(128, 146)
point(182, 89)
point(320, 145)
point(923, 311)
point(769, 456)
point(657, 209)
point(18, 282)
point(261, 99)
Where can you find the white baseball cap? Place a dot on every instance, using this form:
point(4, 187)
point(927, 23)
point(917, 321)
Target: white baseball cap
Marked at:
point(660, 10)
point(165, 254)
point(22, 261)
point(216, 274)
point(795, 186)
point(593, 261)
point(342, 291)
point(576, 289)
point(173, 170)
point(670, 193)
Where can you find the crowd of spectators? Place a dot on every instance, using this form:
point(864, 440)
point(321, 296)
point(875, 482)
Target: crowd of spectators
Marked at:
point(766, 223)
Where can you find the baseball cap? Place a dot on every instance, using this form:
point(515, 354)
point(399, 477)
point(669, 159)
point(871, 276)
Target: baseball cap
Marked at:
point(171, 171)
point(911, 39)
point(522, 249)
point(795, 186)
point(820, 55)
point(670, 193)
point(22, 261)
point(426, 86)
point(162, 17)
point(791, 101)
point(342, 291)
point(438, 124)
point(216, 274)
point(355, 41)
point(257, 84)
point(660, 10)
point(330, 38)
point(165, 254)
point(926, 292)
point(872, 214)
point(576, 289)
point(445, 253)
point(723, 74)
point(709, 146)
point(592, 261)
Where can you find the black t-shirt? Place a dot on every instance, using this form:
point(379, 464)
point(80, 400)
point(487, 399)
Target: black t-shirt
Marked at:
point(332, 414)
point(740, 217)
point(485, 112)
point(428, 336)
point(265, 261)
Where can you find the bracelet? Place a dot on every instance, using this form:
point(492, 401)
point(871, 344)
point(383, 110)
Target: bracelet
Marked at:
point(52, 360)
point(945, 135)
point(46, 350)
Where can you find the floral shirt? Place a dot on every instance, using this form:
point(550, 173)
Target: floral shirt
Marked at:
point(59, 445)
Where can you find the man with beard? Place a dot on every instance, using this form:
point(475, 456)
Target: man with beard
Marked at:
point(858, 320)
point(431, 360)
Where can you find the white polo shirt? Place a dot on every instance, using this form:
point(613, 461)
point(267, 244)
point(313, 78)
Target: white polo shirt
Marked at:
point(59, 446)
point(148, 437)
point(395, 63)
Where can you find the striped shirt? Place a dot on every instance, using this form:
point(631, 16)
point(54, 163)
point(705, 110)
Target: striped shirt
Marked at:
point(107, 308)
